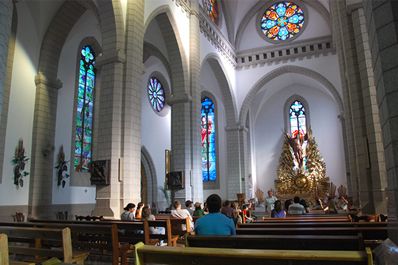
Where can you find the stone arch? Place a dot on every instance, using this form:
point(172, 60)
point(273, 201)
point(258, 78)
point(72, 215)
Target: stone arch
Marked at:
point(175, 49)
point(316, 4)
point(152, 50)
point(8, 22)
point(150, 171)
point(111, 26)
point(225, 86)
point(283, 70)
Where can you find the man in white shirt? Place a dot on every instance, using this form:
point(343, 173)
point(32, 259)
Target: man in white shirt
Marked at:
point(296, 207)
point(270, 202)
point(181, 213)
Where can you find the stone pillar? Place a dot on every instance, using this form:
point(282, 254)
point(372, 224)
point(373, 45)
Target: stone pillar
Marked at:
point(381, 17)
point(194, 70)
point(42, 161)
point(6, 10)
point(376, 171)
point(7, 45)
point(362, 126)
point(181, 141)
point(131, 105)
point(235, 157)
point(110, 130)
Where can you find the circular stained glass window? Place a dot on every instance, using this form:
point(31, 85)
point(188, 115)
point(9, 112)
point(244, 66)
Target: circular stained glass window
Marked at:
point(156, 94)
point(211, 8)
point(282, 21)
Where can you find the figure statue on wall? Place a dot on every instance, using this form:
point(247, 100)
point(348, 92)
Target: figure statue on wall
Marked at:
point(296, 142)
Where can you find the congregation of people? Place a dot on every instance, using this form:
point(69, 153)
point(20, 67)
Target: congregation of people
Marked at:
point(218, 217)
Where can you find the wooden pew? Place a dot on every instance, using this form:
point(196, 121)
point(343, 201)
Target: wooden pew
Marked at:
point(291, 242)
point(311, 224)
point(102, 237)
point(34, 241)
point(224, 256)
point(303, 218)
point(371, 235)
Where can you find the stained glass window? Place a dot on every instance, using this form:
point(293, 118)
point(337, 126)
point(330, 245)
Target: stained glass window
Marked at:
point(156, 94)
point(297, 118)
point(211, 8)
point(282, 21)
point(84, 110)
point(208, 135)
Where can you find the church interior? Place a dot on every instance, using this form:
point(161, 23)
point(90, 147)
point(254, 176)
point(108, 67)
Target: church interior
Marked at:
point(109, 102)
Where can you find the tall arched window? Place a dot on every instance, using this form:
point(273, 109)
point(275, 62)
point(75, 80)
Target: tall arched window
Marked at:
point(84, 110)
point(208, 136)
point(297, 118)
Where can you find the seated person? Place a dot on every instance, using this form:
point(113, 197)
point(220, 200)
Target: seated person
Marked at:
point(246, 215)
point(215, 223)
point(305, 204)
point(332, 208)
point(296, 207)
point(278, 212)
point(129, 212)
point(226, 209)
point(198, 210)
point(181, 214)
point(188, 206)
point(138, 212)
point(236, 214)
point(147, 215)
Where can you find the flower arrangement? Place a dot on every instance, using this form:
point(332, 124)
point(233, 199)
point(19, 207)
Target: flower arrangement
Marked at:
point(19, 163)
point(62, 168)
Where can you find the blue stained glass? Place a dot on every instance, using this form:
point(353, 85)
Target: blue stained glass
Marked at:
point(156, 94)
point(208, 137)
point(84, 110)
point(282, 21)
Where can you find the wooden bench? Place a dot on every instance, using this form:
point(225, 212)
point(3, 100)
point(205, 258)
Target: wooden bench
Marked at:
point(372, 236)
point(224, 256)
point(303, 218)
point(311, 224)
point(32, 241)
point(291, 242)
point(101, 237)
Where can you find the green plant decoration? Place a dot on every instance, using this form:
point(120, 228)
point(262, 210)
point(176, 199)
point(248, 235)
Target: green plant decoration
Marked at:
point(19, 163)
point(62, 168)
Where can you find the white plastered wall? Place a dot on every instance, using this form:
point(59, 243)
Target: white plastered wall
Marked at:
point(269, 126)
point(210, 85)
point(326, 66)
point(21, 105)
point(155, 128)
point(86, 26)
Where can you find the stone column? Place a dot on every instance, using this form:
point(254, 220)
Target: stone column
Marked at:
point(376, 171)
point(6, 10)
point(110, 130)
point(131, 105)
point(366, 171)
point(42, 161)
point(235, 157)
point(7, 45)
point(381, 17)
point(194, 70)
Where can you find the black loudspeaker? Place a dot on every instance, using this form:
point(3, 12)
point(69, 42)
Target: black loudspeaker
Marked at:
point(175, 180)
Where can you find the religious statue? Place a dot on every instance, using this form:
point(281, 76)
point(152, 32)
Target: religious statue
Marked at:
point(296, 143)
point(301, 169)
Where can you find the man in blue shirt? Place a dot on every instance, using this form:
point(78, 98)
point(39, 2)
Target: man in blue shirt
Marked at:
point(215, 223)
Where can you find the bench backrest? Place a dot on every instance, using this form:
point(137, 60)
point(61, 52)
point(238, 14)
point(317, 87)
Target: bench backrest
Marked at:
point(192, 255)
point(311, 224)
point(292, 242)
point(37, 237)
point(4, 249)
